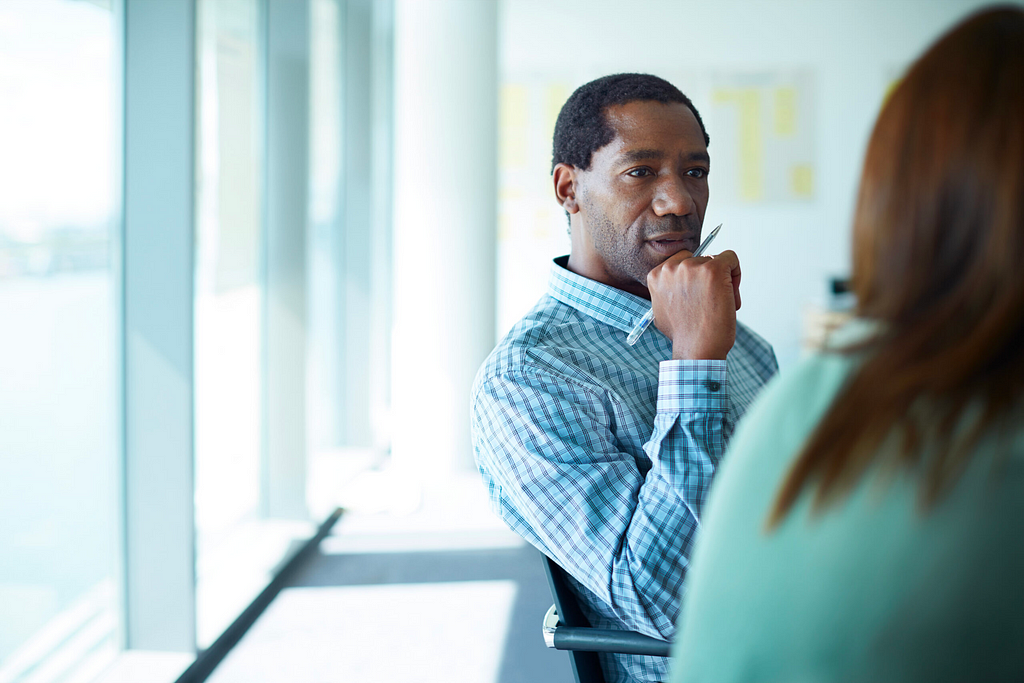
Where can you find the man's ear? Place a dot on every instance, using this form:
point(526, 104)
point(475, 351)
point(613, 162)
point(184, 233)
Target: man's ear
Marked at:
point(564, 177)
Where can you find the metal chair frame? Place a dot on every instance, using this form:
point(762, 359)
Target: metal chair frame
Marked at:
point(567, 628)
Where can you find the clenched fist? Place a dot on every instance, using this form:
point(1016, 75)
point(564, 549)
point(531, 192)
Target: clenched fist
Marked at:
point(695, 299)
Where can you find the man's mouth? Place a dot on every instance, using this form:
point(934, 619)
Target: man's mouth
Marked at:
point(670, 245)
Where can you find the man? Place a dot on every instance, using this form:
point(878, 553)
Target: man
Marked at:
point(597, 452)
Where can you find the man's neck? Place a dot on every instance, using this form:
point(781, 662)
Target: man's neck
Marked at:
point(583, 269)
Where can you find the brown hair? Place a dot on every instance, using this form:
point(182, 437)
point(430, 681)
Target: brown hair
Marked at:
point(938, 260)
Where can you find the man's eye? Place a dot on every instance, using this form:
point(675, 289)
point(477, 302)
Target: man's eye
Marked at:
point(639, 172)
point(697, 173)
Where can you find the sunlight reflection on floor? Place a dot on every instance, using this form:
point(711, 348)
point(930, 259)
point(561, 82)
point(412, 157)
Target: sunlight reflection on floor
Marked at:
point(377, 634)
point(386, 513)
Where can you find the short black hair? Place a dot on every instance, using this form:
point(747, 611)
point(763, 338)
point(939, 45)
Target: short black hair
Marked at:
point(581, 128)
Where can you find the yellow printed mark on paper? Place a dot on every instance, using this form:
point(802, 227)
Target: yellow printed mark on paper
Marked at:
point(890, 89)
point(513, 125)
point(509, 199)
point(751, 146)
point(723, 96)
point(541, 224)
point(785, 112)
point(504, 226)
point(802, 180)
point(749, 137)
point(555, 96)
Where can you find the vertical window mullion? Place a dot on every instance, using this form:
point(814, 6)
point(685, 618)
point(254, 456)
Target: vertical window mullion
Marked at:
point(158, 318)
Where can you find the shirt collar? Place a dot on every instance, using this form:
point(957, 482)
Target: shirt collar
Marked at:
point(600, 301)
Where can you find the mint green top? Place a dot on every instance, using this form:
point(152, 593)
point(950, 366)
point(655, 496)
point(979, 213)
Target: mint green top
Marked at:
point(869, 590)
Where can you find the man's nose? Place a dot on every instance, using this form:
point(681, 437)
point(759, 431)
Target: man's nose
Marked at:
point(673, 197)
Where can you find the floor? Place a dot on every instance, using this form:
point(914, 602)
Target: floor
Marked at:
point(437, 590)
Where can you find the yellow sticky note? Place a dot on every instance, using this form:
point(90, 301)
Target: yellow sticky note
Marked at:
point(751, 146)
point(785, 112)
point(504, 226)
point(541, 224)
point(555, 96)
point(802, 180)
point(890, 89)
point(723, 95)
point(513, 125)
point(509, 202)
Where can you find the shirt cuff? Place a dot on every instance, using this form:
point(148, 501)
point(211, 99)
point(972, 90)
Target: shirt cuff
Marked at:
point(686, 386)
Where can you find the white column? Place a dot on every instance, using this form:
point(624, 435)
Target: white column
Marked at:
point(444, 225)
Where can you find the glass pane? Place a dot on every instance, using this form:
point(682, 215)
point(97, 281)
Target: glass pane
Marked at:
point(331, 462)
point(59, 490)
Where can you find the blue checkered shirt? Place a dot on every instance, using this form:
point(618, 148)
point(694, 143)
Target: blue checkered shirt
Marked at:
point(601, 454)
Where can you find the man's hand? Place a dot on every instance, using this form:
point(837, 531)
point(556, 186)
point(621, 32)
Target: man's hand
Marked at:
point(695, 300)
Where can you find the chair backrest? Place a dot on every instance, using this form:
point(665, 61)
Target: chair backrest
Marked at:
point(586, 666)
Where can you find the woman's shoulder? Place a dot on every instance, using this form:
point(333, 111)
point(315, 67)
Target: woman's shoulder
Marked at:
point(783, 416)
point(797, 397)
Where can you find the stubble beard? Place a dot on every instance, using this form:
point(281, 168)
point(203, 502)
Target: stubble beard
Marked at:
point(623, 249)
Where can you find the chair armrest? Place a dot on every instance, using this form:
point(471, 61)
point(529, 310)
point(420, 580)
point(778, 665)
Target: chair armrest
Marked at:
point(600, 640)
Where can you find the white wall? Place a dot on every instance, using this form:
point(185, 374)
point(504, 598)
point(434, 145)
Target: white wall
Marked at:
point(853, 50)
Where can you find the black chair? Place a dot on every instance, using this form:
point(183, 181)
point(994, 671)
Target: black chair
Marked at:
point(566, 628)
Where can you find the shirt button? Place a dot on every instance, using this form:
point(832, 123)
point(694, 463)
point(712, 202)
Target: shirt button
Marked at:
point(714, 386)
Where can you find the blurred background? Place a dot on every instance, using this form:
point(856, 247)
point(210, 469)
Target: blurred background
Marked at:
point(252, 253)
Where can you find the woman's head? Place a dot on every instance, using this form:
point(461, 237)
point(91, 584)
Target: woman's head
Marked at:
point(938, 254)
point(940, 218)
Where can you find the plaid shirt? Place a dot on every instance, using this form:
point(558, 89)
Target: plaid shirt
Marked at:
point(601, 454)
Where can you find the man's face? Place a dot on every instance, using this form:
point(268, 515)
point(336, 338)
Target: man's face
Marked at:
point(644, 196)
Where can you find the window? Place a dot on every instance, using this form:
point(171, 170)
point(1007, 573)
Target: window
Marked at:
point(59, 472)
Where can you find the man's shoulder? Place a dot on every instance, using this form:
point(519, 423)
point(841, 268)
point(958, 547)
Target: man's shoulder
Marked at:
point(552, 342)
point(534, 332)
point(749, 338)
point(755, 350)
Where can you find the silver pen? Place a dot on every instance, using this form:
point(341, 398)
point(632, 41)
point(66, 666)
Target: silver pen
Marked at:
point(648, 318)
